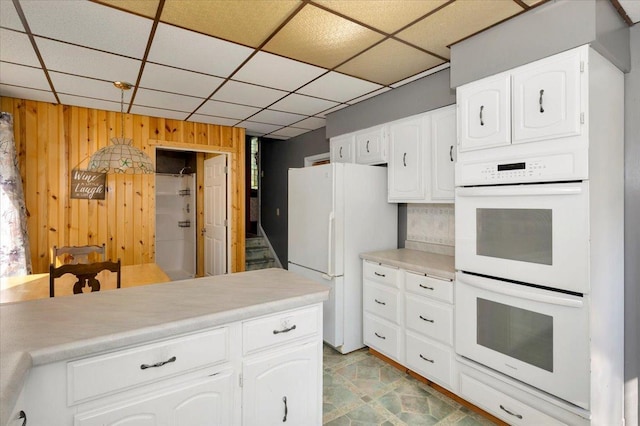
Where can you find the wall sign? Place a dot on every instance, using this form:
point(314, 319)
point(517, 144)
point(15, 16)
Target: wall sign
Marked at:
point(88, 185)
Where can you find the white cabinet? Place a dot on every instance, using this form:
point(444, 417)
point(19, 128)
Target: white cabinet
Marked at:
point(421, 157)
point(341, 149)
point(538, 101)
point(371, 145)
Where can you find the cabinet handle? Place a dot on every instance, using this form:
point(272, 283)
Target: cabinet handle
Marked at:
point(379, 336)
point(367, 146)
point(404, 159)
point(451, 153)
point(286, 330)
point(426, 319)
point(481, 119)
point(510, 413)
point(425, 287)
point(379, 302)
point(158, 364)
point(340, 152)
point(22, 415)
point(426, 359)
point(379, 275)
point(286, 410)
point(541, 93)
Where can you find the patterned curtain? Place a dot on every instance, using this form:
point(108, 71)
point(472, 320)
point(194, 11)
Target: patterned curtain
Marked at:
point(14, 242)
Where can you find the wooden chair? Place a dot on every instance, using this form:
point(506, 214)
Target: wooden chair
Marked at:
point(78, 254)
point(85, 274)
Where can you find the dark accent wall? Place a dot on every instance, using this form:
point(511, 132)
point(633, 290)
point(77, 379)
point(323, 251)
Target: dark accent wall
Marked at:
point(276, 158)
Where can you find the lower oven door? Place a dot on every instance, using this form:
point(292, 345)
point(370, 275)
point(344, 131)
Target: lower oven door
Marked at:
point(536, 234)
point(537, 336)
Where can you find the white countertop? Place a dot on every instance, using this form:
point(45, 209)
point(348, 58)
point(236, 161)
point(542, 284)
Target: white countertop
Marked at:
point(415, 260)
point(49, 330)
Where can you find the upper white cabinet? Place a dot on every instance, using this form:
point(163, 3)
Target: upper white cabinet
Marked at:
point(371, 145)
point(421, 157)
point(537, 101)
point(341, 149)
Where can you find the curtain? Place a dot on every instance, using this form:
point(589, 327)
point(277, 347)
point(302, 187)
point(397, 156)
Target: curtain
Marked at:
point(15, 256)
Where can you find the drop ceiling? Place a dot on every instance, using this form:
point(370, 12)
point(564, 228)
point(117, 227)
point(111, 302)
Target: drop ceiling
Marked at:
point(273, 67)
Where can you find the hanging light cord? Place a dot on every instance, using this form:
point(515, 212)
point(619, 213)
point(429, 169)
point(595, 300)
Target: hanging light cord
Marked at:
point(122, 111)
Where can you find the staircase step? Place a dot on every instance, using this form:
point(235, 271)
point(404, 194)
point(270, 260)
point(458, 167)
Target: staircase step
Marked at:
point(252, 265)
point(255, 242)
point(258, 253)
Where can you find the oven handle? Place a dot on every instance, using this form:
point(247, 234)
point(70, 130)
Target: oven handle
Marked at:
point(515, 291)
point(519, 191)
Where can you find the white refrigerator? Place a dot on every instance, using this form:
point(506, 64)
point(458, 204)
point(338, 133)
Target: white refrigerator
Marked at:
point(336, 212)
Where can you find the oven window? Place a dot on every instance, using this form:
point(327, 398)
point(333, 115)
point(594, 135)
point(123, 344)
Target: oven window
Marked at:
point(515, 234)
point(515, 332)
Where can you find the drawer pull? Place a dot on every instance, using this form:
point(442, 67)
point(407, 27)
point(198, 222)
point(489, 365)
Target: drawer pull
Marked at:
point(379, 275)
point(379, 336)
point(22, 415)
point(286, 330)
point(426, 359)
point(286, 410)
point(379, 302)
point(158, 364)
point(510, 413)
point(425, 287)
point(426, 319)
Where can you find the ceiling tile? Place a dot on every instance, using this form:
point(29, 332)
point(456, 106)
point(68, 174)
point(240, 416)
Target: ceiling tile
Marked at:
point(196, 52)
point(276, 117)
point(170, 79)
point(87, 87)
point(157, 112)
point(338, 87)
point(369, 95)
point(386, 15)
point(87, 62)
point(632, 9)
point(19, 75)
point(535, 2)
point(288, 132)
point(311, 123)
point(254, 128)
point(146, 8)
point(26, 93)
point(456, 21)
point(16, 47)
point(302, 104)
point(248, 94)
point(89, 24)
point(9, 17)
point(89, 103)
point(154, 98)
point(422, 74)
point(285, 74)
point(323, 114)
point(318, 37)
point(374, 64)
point(226, 109)
point(244, 22)
point(221, 121)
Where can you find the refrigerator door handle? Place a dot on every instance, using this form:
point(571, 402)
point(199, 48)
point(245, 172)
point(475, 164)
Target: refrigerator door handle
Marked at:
point(330, 245)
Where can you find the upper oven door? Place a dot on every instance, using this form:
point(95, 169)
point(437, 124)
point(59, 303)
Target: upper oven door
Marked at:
point(535, 234)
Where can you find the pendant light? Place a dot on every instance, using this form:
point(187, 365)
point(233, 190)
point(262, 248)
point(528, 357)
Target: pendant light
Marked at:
point(121, 157)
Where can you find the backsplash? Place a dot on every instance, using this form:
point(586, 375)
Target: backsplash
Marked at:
point(431, 224)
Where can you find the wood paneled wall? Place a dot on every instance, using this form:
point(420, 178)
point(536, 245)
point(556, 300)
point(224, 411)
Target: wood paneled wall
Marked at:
point(52, 140)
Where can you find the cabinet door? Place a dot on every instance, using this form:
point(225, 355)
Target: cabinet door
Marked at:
point(407, 139)
point(443, 147)
point(283, 387)
point(485, 118)
point(546, 98)
point(341, 149)
point(205, 402)
point(371, 146)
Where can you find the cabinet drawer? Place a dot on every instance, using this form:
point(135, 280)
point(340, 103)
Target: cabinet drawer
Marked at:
point(103, 374)
point(382, 336)
point(436, 288)
point(501, 405)
point(430, 318)
point(382, 301)
point(279, 328)
point(430, 359)
point(381, 273)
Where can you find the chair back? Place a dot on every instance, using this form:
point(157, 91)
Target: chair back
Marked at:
point(78, 254)
point(85, 274)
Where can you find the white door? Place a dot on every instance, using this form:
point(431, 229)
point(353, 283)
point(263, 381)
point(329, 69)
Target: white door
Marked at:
point(215, 215)
point(406, 159)
point(443, 142)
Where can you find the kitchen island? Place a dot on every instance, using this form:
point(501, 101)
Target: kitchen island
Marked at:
point(66, 358)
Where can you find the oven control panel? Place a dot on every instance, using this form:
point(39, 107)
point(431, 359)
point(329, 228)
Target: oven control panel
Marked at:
point(542, 169)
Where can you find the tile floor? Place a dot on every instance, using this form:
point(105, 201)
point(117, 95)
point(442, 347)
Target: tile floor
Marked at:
point(360, 389)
